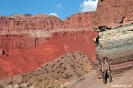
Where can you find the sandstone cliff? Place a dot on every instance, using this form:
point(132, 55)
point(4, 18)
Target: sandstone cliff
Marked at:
point(27, 44)
point(115, 39)
point(22, 32)
point(58, 45)
point(116, 44)
point(45, 22)
point(78, 20)
point(113, 13)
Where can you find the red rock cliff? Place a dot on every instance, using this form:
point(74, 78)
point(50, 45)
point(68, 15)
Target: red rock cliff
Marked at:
point(30, 41)
point(59, 44)
point(22, 32)
point(113, 13)
point(116, 43)
point(45, 22)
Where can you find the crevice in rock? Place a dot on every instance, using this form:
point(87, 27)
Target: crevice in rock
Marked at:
point(96, 40)
point(102, 0)
point(118, 27)
point(122, 19)
point(130, 29)
point(103, 28)
point(36, 42)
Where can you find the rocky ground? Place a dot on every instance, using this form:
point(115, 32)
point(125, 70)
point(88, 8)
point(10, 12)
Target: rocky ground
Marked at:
point(90, 80)
point(72, 70)
point(53, 74)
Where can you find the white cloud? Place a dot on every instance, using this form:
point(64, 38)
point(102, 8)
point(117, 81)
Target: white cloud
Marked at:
point(88, 5)
point(53, 14)
point(59, 5)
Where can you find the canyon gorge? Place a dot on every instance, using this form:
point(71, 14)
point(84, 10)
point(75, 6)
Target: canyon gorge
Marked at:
point(30, 44)
point(27, 42)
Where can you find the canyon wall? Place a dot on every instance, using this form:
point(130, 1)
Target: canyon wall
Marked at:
point(113, 13)
point(77, 20)
point(59, 44)
point(22, 32)
point(45, 22)
point(27, 42)
point(114, 20)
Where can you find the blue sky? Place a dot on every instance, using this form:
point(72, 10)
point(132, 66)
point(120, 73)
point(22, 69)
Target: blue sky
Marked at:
point(60, 8)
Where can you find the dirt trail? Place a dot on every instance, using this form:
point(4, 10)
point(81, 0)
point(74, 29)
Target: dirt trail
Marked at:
point(90, 81)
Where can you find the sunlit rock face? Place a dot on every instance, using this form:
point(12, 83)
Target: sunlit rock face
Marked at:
point(30, 41)
point(113, 13)
point(22, 32)
point(113, 20)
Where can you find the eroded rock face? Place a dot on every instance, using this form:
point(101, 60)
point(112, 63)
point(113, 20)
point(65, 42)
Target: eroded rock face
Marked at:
point(59, 44)
point(117, 45)
point(113, 13)
point(45, 22)
point(28, 43)
point(37, 22)
point(14, 44)
point(79, 20)
point(22, 32)
point(114, 20)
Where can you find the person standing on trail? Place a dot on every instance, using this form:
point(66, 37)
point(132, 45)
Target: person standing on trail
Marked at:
point(106, 70)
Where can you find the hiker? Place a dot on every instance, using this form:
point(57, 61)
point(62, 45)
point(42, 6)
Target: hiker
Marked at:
point(106, 70)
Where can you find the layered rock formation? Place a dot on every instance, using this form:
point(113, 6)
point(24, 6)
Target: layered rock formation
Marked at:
point(77, 20)
point(115, 40)
point(113, 13)
point(36, 22)
point(45, 22)
point(28, 46)
point(22, 32)
point(117, 45)
point(54, 48)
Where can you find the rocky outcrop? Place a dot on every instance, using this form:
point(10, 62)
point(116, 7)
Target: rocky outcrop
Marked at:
point(78, 20)
point(37, 22)
point(113, 13)
point(113, 20)
point(45, 22)
point(117, 45)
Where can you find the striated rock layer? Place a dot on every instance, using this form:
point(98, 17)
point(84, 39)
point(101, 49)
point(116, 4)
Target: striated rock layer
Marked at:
point(114, 19)
point(113, 13)
point(45, 22)
point(60, 43)
point(22, 32)
point(117, 45)
point(27, 42)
